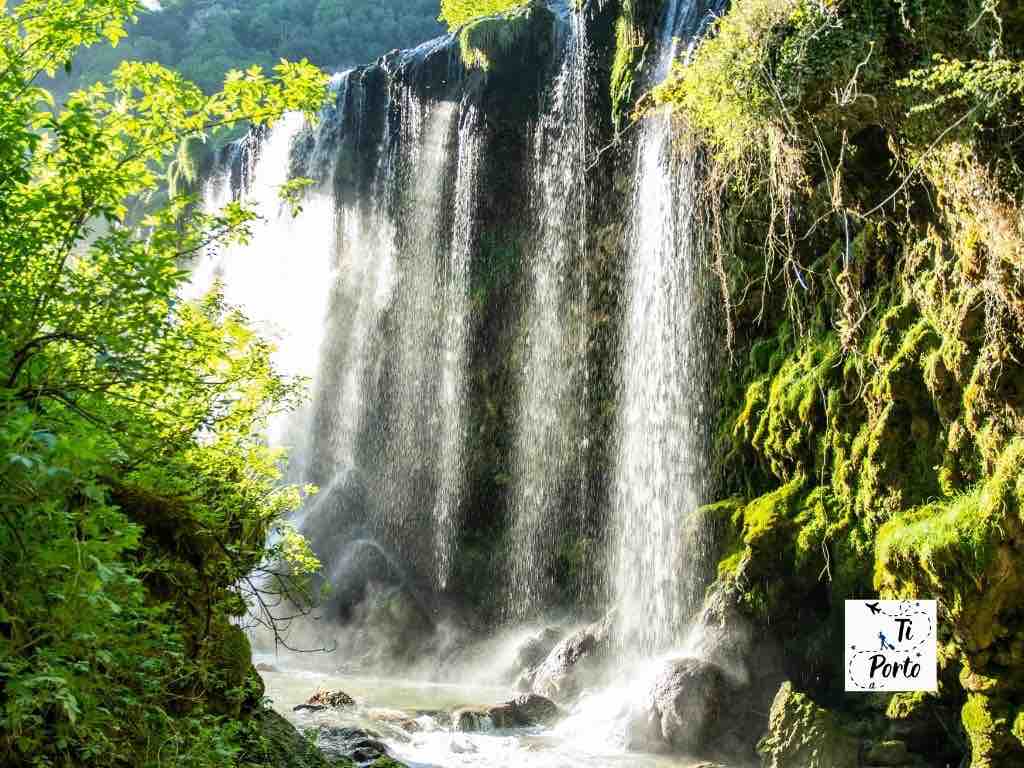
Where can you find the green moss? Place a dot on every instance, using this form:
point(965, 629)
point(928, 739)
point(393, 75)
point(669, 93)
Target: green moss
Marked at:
point(725, 520)
point(782, 416)
point(983, 728)
point(457, 12)
point(386, 762)
point(634, 27)
point(487, 42)
point(954, 537)
point(875, 417)
point(802, 734)
point(906, 705)
point(280, 745)
point(765, 519)
point(731, 565)
point(723, 91)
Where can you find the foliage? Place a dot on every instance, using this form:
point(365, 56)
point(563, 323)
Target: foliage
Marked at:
point(726, 92)
point(136, 493)
point(455, 13)
point(989, 84)
point(203, 40)
point(876, 431)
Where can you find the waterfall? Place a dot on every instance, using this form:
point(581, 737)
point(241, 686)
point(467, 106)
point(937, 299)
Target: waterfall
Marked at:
point(548, 441)
point(455, 338)
point(419, 489)
point(404, 490)
point(662, 447)
point(281, 277)
point(366, 293)
point(362, 292)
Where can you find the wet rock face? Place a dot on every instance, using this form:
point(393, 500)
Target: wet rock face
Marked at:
point(534, 650)
point(352, 744)
point(572, 664)
point(682, 708)
point(526, 710)
point(803, 735)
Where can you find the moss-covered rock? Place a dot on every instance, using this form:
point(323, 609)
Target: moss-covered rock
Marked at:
point(501, 43)
point(280, 745)
point(803, 735)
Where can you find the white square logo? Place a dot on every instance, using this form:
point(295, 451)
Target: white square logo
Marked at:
point(890, 645)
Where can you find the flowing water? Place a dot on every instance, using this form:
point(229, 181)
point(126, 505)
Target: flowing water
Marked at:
point(585, 739)
point(454, 340)
point(662, 465)
point(281, 278)
point(407, 484)
point(549, 436)
point(368, 293)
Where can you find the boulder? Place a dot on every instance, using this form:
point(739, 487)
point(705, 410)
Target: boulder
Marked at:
point(681, 710)
point(472, 719)
point(574, 663)
point(535, 649)
point(534, 709)
point(524, 711)
point(264, 667)
point(803, 735)
point(353, 744)
point(323, 698)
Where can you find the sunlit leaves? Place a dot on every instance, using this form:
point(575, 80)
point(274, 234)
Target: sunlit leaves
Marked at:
point(457, 12)
point(136, 490)
point(985, 84)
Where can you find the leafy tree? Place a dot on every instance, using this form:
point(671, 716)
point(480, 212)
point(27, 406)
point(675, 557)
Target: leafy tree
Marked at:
point(136, 494)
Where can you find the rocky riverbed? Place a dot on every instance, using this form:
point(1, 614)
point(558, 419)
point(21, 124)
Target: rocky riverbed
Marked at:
point(428, 725)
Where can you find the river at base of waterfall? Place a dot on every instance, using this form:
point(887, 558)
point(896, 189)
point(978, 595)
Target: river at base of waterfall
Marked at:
point(413, 719)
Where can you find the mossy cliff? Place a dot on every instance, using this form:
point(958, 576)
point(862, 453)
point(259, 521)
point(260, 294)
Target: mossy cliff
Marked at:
point(864, 179)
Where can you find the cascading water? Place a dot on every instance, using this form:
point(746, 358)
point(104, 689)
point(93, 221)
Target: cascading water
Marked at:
point(282, 277)
point(549, 435)
point(423, 278)
point(404, 493)
point(662, 452)
point(366, 276)
point(368, 269)
point(454, 341)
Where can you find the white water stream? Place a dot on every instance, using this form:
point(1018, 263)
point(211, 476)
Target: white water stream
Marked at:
point(662, 469)
point(549, 439)
point(590, 737)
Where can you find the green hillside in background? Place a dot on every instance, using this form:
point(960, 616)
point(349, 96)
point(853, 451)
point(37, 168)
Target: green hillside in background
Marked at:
point(203, 39)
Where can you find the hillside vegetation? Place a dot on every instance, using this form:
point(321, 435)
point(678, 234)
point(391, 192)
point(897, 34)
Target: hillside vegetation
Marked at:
point(203, 39)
